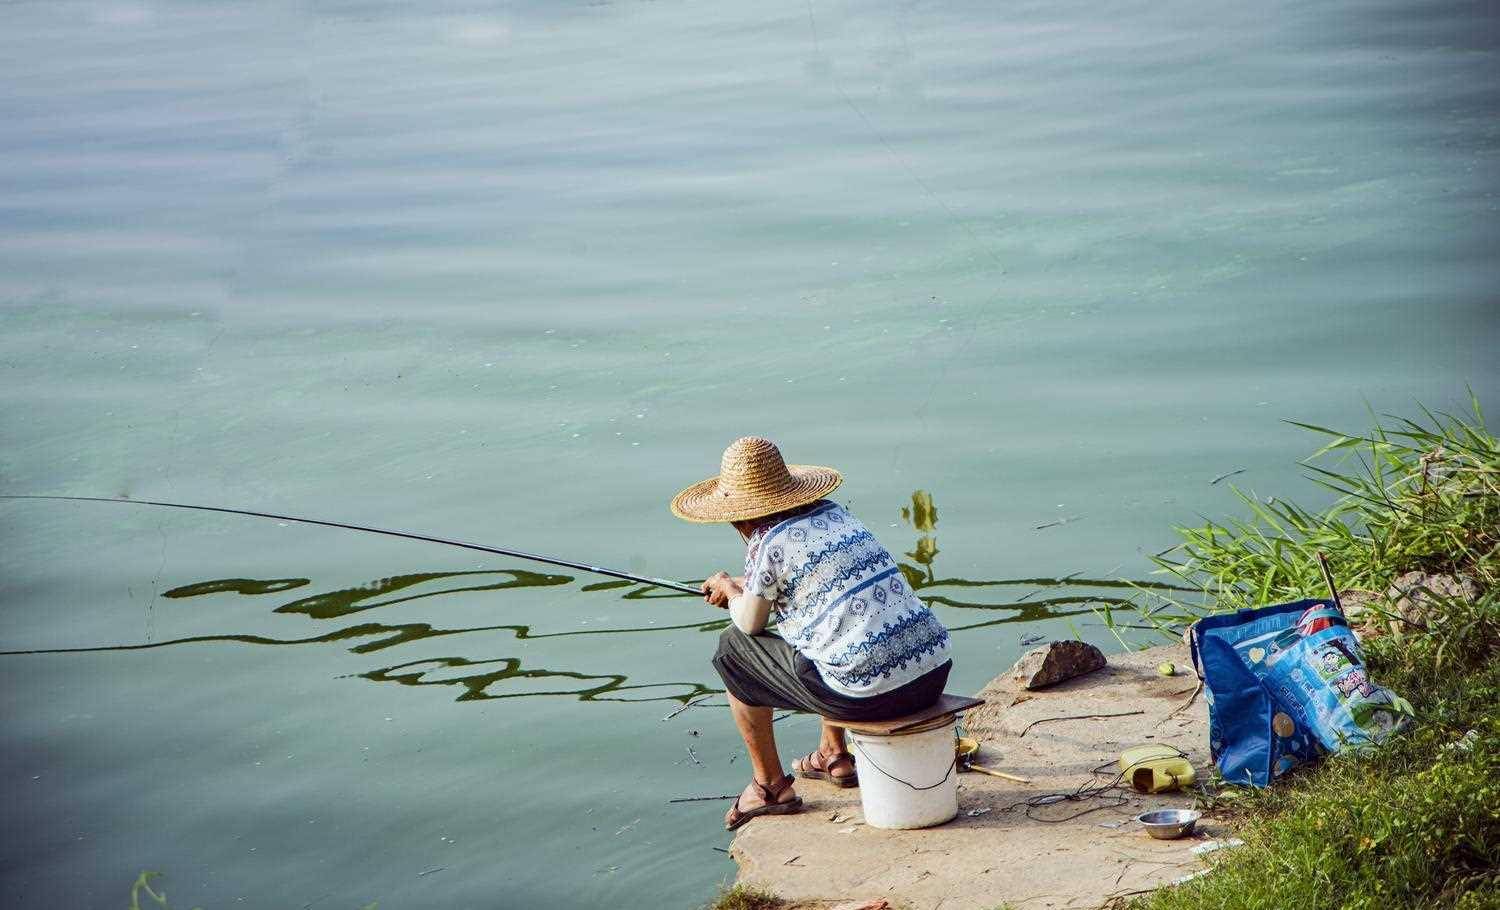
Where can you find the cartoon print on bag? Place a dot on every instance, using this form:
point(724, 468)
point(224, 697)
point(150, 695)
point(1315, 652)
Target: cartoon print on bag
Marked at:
point(1350, 651)
point(1333, 659)
point(1378, 718)
point(1354, 681)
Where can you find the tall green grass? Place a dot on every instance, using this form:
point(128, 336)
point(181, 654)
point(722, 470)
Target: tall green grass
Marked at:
point(1416, 823)
point(1410, 496)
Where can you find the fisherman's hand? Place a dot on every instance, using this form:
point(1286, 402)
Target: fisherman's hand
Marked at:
point(719, 588)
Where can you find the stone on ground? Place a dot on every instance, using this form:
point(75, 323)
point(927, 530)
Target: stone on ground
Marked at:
point(1056, 662)
point(1415, 595)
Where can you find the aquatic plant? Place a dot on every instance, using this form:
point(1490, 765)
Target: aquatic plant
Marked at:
point(142, 888)
point(158, 899)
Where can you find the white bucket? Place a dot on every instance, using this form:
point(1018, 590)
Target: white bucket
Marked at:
point(907, 781)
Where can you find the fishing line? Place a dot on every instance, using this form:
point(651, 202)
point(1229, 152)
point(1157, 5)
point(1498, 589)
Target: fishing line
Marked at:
point(1109, 793)
point(408, 535)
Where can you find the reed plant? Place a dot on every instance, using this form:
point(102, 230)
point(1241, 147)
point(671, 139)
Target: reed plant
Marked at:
point(1411, 496)
point(1413, 824)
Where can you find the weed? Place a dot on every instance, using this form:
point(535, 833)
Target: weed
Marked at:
point(746, 897)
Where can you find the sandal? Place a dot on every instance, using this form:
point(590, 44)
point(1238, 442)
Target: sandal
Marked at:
point(738, 816)
point(811, 767)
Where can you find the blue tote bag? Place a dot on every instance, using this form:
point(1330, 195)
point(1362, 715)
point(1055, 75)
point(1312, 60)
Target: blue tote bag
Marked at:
point(1286, 684)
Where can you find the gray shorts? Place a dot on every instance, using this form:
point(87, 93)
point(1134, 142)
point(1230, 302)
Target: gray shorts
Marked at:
point(763, 670)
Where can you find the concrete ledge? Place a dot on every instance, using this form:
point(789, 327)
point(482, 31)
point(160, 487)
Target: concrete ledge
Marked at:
point(993, 852)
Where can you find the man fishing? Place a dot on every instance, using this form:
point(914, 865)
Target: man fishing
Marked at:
point(855, 642)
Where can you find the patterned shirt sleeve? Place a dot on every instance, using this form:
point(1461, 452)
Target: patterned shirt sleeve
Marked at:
point(763, 570)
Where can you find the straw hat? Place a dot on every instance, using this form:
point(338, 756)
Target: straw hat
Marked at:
point(753, 481)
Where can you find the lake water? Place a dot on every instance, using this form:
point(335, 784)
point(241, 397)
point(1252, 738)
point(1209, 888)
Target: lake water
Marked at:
point(517, 272)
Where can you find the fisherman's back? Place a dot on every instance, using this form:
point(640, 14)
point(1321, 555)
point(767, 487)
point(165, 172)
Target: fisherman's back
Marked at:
point(842, 602)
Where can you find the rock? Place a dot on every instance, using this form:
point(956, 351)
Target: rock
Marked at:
point(1054, 662)
point(1360, 606)
point(1366, 612)
point(1416, 596)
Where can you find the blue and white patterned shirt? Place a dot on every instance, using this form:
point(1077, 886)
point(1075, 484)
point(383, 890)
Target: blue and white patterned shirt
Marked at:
point(841, 601)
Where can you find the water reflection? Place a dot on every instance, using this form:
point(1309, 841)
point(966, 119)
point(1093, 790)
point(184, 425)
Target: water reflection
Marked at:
point(351, 600)
point(1084, 594)
point(510, 676)
point(478, 685)
point(922, 515)
point(238, 586)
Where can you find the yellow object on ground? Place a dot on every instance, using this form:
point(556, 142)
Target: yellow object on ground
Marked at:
point(1156, 768)
point(965, 748)
point(994, 772)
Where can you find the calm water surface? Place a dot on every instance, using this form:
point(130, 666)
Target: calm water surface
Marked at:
point(517, 272)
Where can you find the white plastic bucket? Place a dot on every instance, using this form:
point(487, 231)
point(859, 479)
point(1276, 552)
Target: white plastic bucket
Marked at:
point(907, 781)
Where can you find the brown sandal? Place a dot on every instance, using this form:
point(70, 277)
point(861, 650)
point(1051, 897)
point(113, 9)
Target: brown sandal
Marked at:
point(738, 816)
point(807, 766)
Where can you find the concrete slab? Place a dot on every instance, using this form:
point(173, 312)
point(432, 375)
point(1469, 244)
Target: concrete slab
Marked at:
point(999, 850)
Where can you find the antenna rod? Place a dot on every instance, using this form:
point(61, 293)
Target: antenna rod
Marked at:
point(1333, 590)
point(519, 554)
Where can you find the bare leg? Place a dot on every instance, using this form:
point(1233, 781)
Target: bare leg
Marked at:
point(831, 743)
point(755, 729)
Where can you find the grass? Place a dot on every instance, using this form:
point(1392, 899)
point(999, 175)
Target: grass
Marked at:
point(1416, 823)
point(1411, 496)
point(746, 897)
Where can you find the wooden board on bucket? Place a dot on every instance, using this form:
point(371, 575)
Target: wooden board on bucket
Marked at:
point(910, 723)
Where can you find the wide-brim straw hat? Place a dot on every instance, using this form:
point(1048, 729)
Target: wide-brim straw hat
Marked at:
point(754, 481)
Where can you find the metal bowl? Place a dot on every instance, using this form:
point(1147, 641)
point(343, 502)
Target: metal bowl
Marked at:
point(1169, 824)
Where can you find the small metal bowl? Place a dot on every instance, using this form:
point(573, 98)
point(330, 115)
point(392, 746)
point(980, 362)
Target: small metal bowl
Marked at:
point(1169, 824)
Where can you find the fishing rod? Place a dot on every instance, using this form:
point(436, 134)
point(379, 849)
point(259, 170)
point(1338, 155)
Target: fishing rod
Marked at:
point(501, 551)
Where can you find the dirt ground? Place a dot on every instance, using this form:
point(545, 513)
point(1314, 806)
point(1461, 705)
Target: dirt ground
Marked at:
point(996, 851)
